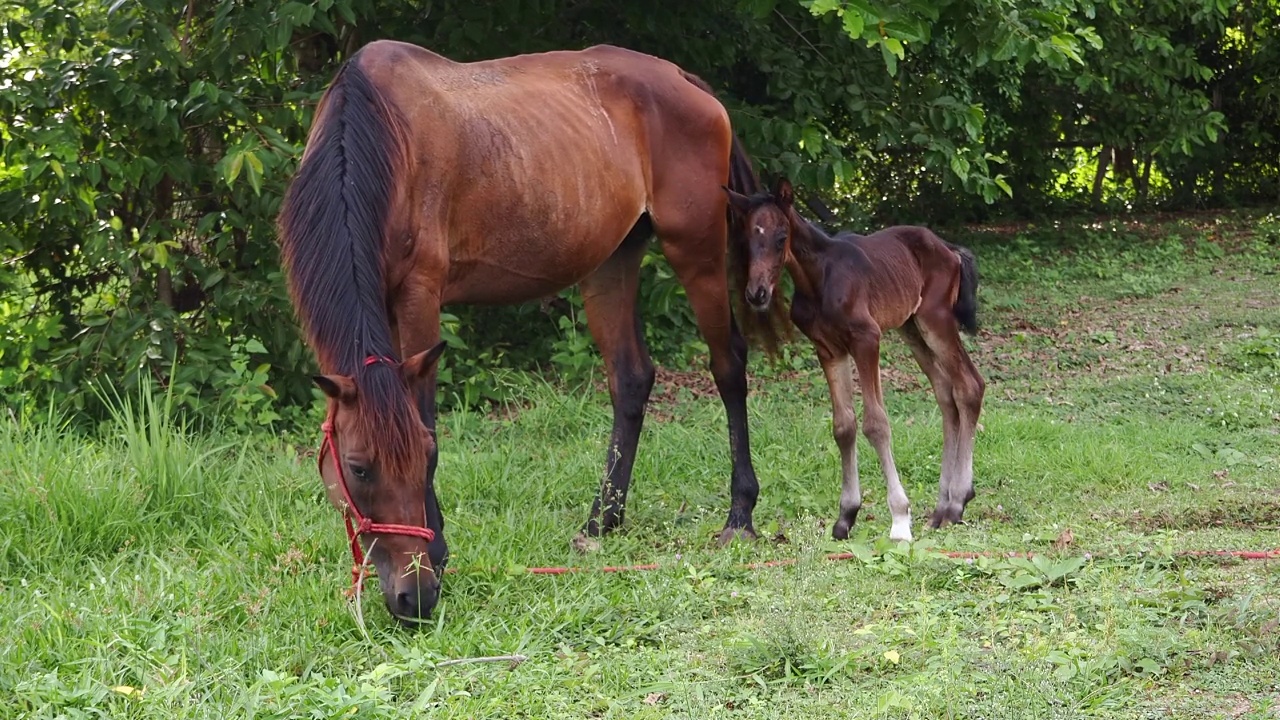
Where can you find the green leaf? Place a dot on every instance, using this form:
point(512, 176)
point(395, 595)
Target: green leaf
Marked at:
point(895, 47)
point(759, 9)
point(890, 60)
point(213, 278)
point(255, 171)
point(233, 168)
point(254, 345)
point(853, 23)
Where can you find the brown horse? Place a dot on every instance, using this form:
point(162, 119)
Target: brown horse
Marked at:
point(427, 182)
point(850, 288)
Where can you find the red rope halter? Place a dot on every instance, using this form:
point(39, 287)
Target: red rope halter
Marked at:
point(362, 525)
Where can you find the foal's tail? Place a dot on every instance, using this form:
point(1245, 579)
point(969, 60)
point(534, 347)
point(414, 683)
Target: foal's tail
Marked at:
point(966, 307)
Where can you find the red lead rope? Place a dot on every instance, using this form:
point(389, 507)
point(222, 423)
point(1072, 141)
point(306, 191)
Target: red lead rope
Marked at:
point(362, 525)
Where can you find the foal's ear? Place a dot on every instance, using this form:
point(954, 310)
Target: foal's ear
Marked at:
point(418, 366)
point(783, 194)
point(338, 387)
point(740, 203)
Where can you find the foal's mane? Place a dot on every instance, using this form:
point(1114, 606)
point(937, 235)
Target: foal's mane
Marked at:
point(771, 328)
point(332, 230)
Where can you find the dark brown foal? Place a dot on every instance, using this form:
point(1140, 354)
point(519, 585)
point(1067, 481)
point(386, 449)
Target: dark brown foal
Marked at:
point(848, 290)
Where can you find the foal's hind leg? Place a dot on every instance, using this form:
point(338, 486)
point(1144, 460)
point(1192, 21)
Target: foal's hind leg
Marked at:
point(941, 332)
point(875, 425)
point(609, 295)
point(942, 392)
point(844, 427)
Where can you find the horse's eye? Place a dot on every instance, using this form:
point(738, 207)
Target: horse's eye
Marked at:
point(781, 240)
point(361, 472)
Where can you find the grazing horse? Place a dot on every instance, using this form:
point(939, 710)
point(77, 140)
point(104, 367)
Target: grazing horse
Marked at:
point(428, 182)
point(848, 289)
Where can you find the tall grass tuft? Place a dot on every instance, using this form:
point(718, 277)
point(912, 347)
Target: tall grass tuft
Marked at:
point(166, 464)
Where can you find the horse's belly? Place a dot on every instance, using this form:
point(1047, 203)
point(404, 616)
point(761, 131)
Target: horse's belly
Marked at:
point(533, 232)
point(498, 282)
point(524, 266)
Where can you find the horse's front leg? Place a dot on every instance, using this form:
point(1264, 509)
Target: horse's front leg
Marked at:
point(417, 327)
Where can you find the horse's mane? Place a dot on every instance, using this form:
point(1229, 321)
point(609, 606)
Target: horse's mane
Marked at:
point(772, 328)
point(332, 240)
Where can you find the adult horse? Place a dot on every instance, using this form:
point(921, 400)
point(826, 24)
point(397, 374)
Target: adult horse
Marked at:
point(427, 182)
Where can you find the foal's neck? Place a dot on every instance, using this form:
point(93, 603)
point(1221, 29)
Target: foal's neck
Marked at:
point(809, 246)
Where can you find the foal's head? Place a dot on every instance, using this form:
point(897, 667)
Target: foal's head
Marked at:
point(766, 222)
point(381, 446)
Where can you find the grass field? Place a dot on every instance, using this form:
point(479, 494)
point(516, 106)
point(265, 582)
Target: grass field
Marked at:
point(1133, 410)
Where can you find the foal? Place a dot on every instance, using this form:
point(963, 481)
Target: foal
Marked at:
point(848, 289)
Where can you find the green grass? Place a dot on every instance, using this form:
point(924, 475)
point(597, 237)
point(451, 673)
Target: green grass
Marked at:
point(1134, 400)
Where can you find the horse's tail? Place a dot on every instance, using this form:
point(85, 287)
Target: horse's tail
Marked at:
point(772, 327)
point(966, 307)
point(332, 225)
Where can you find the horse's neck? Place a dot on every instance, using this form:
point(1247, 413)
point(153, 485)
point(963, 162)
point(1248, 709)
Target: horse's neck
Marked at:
point(805, 261)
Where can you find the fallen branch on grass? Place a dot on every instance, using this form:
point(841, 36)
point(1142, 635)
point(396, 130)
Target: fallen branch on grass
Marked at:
point(513, 659)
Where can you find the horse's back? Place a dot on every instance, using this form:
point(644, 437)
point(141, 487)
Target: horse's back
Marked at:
point(534, 167)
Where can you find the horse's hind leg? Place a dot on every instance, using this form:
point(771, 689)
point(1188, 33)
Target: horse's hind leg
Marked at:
point(697, 255)
point(875, 425)
point(940, 331)
point(844, 428)
point(609, 295)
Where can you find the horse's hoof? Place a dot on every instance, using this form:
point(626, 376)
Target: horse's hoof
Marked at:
point(728, 535)
point(584, 544)
point(840, 531)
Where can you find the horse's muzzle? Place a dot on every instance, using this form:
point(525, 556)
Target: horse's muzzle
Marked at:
point(413, 598)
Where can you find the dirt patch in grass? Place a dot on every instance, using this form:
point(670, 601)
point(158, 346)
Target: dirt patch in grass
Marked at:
point(1260, 515)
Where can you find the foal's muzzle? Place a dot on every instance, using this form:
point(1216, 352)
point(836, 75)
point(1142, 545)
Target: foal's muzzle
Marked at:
point(758, 298)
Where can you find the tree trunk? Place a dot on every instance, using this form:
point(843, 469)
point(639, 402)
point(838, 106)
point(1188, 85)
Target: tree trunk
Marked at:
point(1144, 181)
point(1104, 157)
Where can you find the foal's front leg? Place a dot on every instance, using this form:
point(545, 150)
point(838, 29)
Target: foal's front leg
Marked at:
point(875, 425)
point(844, 425)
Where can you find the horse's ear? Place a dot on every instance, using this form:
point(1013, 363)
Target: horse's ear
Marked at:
point(740, 203)
point(338, 387)
point(783, 194)
point(418, 366)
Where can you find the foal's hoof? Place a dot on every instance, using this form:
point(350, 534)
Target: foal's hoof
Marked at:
point(943, 517)
point(584, 544)
point(840, 531)
point(728, 535)
point(845, 523)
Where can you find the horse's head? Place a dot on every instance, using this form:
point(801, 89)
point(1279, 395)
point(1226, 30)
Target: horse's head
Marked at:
point(766, 221)
point(374, 465)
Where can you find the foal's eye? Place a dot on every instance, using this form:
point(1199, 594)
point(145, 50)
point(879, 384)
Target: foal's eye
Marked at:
point(361, 472)
point(780, 241)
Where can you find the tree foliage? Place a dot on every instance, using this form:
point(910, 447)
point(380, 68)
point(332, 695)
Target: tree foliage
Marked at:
point(147, 145)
